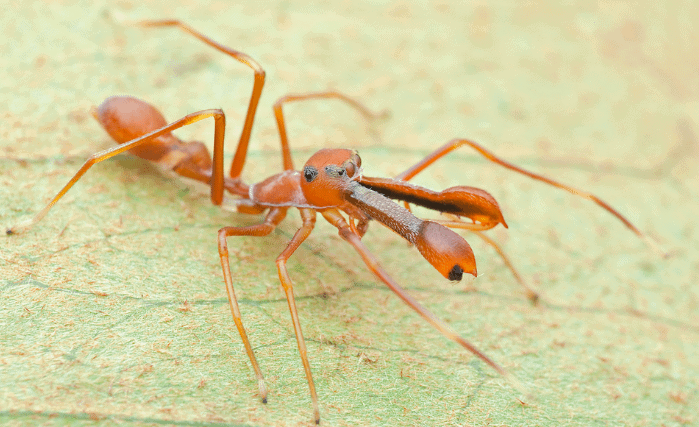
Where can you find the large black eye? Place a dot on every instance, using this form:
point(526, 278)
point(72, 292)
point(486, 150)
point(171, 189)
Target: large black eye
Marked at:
point(310, 173)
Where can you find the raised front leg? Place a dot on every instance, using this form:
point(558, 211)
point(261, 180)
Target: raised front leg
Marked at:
point(458, 142)
point(456, 222)
point(281, 125)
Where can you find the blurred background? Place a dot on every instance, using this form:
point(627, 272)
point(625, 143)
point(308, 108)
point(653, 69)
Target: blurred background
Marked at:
point(113, 308)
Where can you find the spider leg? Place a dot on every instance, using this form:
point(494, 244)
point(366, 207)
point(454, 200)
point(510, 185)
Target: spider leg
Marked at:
point(336, 219)
point(309, 218)
point(273, 218)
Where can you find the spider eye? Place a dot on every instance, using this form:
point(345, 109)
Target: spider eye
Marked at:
point(310, 173)
point(350, 168)
point(357, 160)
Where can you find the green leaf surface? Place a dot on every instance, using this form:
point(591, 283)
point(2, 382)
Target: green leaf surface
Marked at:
point(113, 309)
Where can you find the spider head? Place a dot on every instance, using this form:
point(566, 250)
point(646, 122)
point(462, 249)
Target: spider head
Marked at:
point(326, 174)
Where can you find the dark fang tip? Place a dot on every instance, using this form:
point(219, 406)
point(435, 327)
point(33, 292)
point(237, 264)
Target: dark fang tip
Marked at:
point(456, 273)
point(317, 421)
point(264, 400)
point(9, 232)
